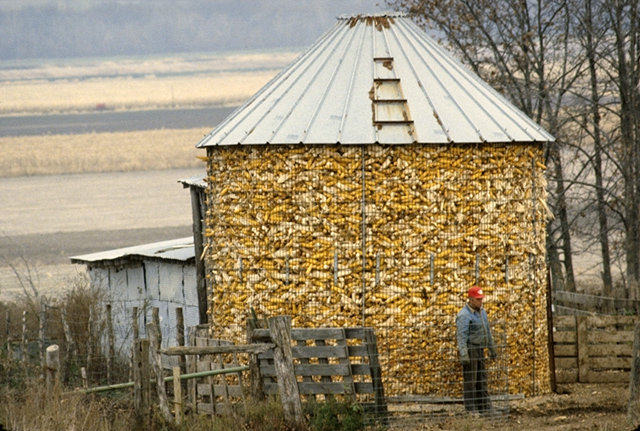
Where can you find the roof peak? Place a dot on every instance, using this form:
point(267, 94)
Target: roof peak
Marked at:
point(376, 79)
point(364, 16)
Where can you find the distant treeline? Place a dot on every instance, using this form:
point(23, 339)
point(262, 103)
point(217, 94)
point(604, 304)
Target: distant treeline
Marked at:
point(156, 27)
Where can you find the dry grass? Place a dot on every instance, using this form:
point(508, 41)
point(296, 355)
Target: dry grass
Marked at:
point(100, 152)
point(125, 93)
point(136, 83)
point(55, 86)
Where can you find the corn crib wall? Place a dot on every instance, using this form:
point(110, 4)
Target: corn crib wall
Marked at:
point(389, 237)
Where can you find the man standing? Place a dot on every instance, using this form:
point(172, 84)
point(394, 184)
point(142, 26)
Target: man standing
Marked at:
point(474, 335)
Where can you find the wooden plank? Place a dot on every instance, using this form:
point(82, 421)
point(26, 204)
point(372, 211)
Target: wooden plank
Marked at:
point(153, 330)
point(608, 377)
point(348, 378)
point(215, 350)
point(280, 329)
point(316, 333)
point(205, 409)
point(583, 351)
point(358, 350)
point(261, 334)
point(601, 321)
point(323, 361)
point(561, 350)
point(563, 363)
point(564, 376)
point(319, 352)
point(611, 337)
point(634, 378)
point(564, 337)
point(317, 388)
point(322, 370)
point(364, 387)
point(376, 376)
point(303, 361)
point(610, 350)
point(354, 333)
point(178, 407)
point(205, 389)
point(141, 379)
point(564, 321)
point(610, 363)
point(361, 369)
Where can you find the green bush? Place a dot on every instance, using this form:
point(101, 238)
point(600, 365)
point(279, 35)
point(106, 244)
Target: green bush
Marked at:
point(335, 415)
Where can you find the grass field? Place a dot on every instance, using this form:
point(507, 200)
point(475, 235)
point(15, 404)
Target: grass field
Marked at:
point(135, 83)
point(55, 86)
point(101, 152)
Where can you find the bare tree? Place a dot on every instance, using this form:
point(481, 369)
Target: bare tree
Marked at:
point(523, 49)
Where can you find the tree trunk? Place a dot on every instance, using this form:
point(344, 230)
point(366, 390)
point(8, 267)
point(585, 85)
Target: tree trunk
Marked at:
point(563, 218)
point(607, 281)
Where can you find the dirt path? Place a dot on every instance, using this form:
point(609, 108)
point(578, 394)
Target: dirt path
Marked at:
point(593, 407)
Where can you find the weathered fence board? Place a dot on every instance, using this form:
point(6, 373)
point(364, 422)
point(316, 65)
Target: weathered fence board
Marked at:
point(593, 349)
point(573, 303)
point(328, 361)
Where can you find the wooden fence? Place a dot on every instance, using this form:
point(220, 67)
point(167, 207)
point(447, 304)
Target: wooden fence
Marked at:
point(593, 349)
point(580, 304)
point(329, 361)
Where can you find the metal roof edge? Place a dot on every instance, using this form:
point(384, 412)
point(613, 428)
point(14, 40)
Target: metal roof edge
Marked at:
point(180, 249)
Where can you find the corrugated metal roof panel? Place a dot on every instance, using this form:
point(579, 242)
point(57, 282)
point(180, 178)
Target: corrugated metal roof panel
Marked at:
point(178, 249)
point(197, 181)
point(375, 79)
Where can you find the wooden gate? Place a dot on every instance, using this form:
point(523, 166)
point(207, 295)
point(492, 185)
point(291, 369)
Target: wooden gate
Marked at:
point(329, 361)
point(593, 349)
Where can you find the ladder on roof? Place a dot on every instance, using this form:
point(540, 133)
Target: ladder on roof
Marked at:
point(391, 117)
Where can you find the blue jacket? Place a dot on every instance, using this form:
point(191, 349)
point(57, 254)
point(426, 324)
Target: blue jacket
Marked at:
point(473, 331)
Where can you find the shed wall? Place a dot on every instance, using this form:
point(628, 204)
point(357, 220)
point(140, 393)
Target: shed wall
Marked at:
point(390, 237)
point(147, 284)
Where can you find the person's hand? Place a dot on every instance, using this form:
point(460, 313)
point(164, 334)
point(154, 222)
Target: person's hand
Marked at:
point(465, 360)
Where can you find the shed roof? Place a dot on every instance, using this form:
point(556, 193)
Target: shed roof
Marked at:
point(376, 79)
point(199, 181)
point(174, 250)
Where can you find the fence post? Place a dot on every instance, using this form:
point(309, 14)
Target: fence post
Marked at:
point(85, 380)
point(25, 347)
point(41, 334)
point(582, 342)
point(52, 378)
point(135, 336)
point(633, 408)
point(280, 329)
point(90, 337)
point(110, 340)
point(255, 377)
point(376, 375)
point(9, 340)
point(180, 338)
point(154, 338)
point(177, 395)
point(141, 380)
point(70, 344)
point(155, 318)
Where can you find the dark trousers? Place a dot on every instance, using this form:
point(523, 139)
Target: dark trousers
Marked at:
point(476, 394)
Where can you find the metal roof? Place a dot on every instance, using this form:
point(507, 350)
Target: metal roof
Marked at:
point(177, 250)
point(376, 79)
point(199, 181)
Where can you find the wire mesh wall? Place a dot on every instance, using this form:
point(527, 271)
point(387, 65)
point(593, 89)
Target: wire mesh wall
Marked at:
point(389, 237)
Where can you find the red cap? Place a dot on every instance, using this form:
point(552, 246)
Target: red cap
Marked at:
point(476, 292)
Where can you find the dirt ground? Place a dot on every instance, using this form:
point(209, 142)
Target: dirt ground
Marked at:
point(598, 407)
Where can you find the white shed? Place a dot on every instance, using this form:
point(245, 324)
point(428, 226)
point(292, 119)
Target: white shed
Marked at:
point(161, 274)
